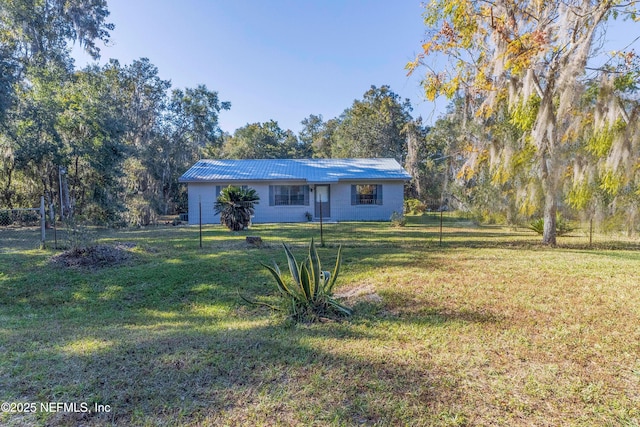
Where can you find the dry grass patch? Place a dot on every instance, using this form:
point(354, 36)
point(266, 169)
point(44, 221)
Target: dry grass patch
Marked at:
point(532, 336)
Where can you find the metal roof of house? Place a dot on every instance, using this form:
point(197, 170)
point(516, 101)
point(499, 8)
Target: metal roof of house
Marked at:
point(309, 170)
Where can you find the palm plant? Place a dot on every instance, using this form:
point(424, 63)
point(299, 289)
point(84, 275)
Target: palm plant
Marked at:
point(562, 226)
point(235, 206)
point(309, 296)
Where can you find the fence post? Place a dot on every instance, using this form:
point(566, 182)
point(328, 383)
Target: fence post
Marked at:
point(43, 223)
point(52, 217)
point(440, 225)
point(321, 233)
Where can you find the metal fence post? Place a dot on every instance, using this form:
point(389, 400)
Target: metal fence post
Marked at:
point(43, 223)
point(52, 217)
point(440, 225)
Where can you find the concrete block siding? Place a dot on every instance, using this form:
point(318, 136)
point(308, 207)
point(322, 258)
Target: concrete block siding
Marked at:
point(340, 203)
point(340, 176)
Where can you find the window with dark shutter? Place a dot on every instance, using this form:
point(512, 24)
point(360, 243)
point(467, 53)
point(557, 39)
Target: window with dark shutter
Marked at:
point(366, 194)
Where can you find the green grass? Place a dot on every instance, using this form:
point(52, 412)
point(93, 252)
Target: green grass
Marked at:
point(489, 328)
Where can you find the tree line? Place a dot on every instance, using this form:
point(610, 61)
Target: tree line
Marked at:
point(533, 129)
point(108, 143)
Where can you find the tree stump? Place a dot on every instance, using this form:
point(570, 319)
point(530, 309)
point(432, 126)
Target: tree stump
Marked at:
point(254, 240)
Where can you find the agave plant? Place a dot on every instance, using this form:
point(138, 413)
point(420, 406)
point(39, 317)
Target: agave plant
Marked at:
point(235, 206)
point(309, 294)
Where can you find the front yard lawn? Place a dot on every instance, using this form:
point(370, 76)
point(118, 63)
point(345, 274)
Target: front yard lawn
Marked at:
point(489, 328)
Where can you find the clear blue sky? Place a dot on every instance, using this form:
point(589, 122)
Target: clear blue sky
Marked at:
point(276, 59)
point(279, 59)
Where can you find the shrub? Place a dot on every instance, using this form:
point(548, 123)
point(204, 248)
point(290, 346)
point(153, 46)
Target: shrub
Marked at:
point(398, 220)
point(140, 212)
point(537, 225)
point(308, 296)
point(78, 235)
point(5, 218)
point(485, 216)
point(28, 218)
point(414, 207)
point(562, 226)
point(235, 206)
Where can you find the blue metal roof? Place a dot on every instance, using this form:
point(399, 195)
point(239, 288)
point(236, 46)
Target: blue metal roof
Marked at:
point(309, 170)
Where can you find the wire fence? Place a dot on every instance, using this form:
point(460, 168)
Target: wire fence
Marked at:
point(23, 228)
point(430, 230)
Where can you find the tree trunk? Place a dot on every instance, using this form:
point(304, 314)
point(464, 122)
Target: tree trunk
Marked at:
point(7, 193)
point(549, 188)
point(550, 209)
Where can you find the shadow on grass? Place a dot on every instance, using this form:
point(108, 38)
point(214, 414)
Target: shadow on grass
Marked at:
point(187, 372)
point(402, 307)
point(165, 342)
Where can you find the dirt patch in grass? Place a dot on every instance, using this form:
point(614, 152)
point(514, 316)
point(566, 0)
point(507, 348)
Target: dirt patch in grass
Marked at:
point(95, 256)
point(361, 292)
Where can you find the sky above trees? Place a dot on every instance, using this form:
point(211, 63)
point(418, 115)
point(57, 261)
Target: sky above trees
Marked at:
point(280, 60)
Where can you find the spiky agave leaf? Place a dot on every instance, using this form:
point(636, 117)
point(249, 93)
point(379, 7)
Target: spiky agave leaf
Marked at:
point(342, 309)
point(282, 286)
point(305, 282)
point(293, 265)
point(308, 298)
point(314, 268)
point(328, 288)
point(255, 302)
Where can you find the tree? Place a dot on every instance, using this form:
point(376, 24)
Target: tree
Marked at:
point(145, 100)
point(31, 145)
point(187, 127)
point(263, 141)
point(416, 156)
point(34, 64)
point(373, 126)
point(605, 177)
point(37, 33)
point(311, 134)
point(145, 95)
point(92, 127)
point(526, 60)
point(235, 206)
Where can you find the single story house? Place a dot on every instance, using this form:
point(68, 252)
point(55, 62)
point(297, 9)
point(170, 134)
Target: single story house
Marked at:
point(297, 190)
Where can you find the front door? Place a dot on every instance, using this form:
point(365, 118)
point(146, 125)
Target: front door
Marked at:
point(322, 201)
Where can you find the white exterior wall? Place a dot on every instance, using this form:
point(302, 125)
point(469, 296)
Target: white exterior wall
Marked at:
point(340, 194)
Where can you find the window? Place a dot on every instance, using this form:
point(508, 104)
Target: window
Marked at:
point(220, 187)
point(288, 195)
point(366, 194)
